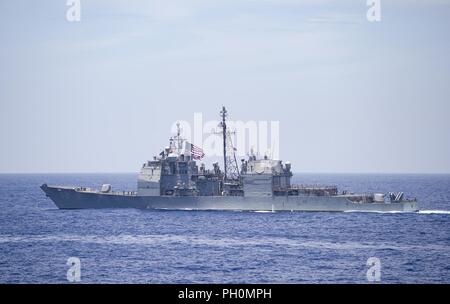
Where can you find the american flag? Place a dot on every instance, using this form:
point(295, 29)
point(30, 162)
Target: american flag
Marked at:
point(196, 152)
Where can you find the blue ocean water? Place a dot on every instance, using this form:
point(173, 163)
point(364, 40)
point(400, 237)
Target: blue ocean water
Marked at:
point(144, 246)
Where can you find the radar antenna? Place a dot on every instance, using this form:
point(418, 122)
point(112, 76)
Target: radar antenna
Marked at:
point(179, 140)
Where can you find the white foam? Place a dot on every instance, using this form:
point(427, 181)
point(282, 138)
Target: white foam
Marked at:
point(434, 212)
point(264, 211)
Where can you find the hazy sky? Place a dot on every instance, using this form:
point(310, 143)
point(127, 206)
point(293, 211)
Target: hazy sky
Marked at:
point(100, 95)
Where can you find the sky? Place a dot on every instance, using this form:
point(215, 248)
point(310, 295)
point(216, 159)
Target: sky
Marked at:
point(101, 94)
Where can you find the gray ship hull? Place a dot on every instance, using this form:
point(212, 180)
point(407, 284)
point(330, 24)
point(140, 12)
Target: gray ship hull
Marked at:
point(72, 198)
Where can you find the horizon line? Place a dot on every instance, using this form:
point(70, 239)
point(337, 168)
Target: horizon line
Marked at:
point(298, 172)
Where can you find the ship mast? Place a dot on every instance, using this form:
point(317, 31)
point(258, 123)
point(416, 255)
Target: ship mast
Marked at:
point(224, 136)
point(178, 138)
point(231, 171)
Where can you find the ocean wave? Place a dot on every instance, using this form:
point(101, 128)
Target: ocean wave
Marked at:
point(146, 240)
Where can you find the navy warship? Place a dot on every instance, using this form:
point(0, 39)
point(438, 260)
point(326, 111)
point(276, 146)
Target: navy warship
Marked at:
point(174, 181)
